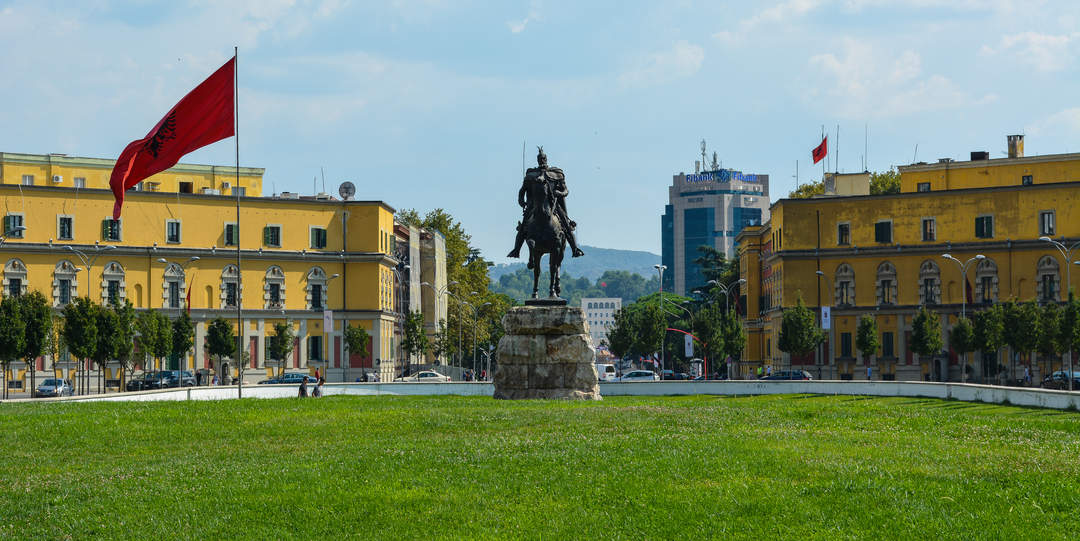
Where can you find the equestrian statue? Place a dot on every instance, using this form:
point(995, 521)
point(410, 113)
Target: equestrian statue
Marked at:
point(545, 225)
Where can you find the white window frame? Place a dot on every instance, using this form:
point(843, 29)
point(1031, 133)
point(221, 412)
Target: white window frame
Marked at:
point(79, 182)
point(60, 217)
point(922, 229)
point(280, 241)
point(179, 232)
point(993, 228)
point(838, 225)
point(1053, 223)
point(109, 272)
point(27, 180)
point(119, 229)
point(225, 233)
point(311, 229)
point(173, 273)
point(22, 223)
point(64, 270)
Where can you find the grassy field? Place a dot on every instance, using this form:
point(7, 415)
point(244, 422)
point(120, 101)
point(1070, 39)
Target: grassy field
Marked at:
point(453, 467)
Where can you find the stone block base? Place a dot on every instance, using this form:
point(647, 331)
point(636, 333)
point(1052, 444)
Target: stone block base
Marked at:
point(546, 353)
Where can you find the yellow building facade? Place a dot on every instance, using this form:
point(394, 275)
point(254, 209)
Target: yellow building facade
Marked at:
point(176, 249)
point(883, 256)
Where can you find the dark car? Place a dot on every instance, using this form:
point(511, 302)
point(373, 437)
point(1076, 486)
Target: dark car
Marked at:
point(1059, 380)
point(148, 381)
point(789, 375)
point(174, 378)
point(675, 376)
point(293, 378)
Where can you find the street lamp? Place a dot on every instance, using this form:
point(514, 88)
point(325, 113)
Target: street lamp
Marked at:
point(401, 309)
point(179, 308)
point(88, 261)
point(8, 233)
point(731, 288)
point(1067, 254)
point(438, 293)
point(963, 297)
point(663, 326)
point(821, 318)
point(476, 327)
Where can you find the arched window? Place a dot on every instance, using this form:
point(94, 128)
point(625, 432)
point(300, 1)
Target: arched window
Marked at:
point(14, 278)
point(64, 286)
point(174, 288)
point(316, 289)
point(1049, 278)
point(112, 284)
point(986, 281)
point(886, 283)
point(274, 289)
point(929, 283)
point(231, 288)
point(845, 285)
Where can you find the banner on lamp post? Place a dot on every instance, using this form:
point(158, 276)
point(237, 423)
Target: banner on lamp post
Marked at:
point(328, 320)
point(688, 343)
point(826, 318)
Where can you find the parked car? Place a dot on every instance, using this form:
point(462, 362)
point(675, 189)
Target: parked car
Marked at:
point(425, 376)
point(788, 375)
point(149, 380)
point(174, 378)
point(640, 375)
point(606, 372)
point(54, 387)
point(675, 376)
point(293, 378)
point(1059, 380)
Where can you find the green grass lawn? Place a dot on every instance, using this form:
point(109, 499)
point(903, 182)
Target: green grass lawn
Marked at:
point(468, 468)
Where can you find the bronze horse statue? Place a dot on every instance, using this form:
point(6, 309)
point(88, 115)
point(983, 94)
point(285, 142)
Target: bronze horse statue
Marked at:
point(544, 234)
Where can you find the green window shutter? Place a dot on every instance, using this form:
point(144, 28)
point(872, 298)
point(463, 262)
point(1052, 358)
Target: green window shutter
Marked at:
point(322, 238)
point(314, 238)
point(105, 229)
point(235, 235)
point(7, 225)
point(266, 236)
point(990, 227)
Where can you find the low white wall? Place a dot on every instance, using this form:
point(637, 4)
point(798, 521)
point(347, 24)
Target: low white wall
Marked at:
point(1021, 396)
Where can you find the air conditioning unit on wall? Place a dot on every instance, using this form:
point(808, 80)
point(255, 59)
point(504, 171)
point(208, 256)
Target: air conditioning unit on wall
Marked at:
point(57, 179)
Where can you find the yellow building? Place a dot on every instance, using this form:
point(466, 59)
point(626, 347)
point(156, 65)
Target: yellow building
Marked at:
point(176, 246)
point(883, 255)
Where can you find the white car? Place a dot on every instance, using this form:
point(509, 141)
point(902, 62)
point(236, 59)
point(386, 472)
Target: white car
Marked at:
point(640, 375)
point(606, 372)
point(425, 376)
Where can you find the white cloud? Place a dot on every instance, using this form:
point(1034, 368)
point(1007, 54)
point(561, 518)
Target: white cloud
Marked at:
point(518, 27)
point(863, 82)
point(1064, 123)
point(681, 60)
point(1045, 52)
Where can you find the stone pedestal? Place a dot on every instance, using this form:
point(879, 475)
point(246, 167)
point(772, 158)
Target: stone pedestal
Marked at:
point(546, 353)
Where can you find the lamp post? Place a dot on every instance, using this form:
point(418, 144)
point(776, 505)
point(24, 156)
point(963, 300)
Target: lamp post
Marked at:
point(179, 308)
point(821, 319)
point(476, 327)
point(88, 261)
point(663, 326)
point(8, 233)
point(326, 332)
point(438, 293)
point(731, 288)
point(1067, 254)
point(963, 297)
point(465, 302)
point(401, 308)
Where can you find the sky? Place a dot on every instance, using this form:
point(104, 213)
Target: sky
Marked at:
point(427, 103)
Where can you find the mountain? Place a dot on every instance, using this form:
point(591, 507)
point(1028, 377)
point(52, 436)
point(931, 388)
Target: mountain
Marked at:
point(593, 264)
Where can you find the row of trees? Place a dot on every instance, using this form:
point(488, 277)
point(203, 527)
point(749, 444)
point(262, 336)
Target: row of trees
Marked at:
point(629, 286)
point(1050, 329)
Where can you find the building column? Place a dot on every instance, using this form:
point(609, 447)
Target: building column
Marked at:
point(302, 334)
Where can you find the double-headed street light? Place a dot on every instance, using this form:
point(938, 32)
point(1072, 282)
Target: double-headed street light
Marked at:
point(10, 232)
point(663, 325)
point(88, 261)
point(821, 318)
point(731, 288)
point(1067, 254)
point(438, 293)
point(963, 278)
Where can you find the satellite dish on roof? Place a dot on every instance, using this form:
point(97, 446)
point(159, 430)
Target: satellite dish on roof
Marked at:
point(346, 190)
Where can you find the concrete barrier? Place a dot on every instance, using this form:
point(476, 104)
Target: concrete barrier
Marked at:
point(969, 392)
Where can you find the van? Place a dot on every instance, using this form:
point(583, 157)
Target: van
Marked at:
point(606, 372)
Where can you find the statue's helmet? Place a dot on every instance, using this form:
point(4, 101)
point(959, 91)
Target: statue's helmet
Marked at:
point(541, 158)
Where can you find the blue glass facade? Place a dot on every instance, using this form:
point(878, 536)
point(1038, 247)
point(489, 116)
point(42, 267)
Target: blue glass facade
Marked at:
point(742, 217)
point(667, 249)
point(699, 229)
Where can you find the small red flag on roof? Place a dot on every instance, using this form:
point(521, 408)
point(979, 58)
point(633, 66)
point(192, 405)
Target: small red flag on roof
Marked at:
point(821, 150)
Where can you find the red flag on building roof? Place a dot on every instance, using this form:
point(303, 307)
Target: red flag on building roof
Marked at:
point(202, 117)
point(821, 150)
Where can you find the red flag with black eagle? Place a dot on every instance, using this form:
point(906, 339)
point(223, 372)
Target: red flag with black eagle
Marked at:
point(203, 116)
point(821, 150)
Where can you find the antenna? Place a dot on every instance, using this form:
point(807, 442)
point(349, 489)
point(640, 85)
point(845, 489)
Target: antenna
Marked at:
point(866, 146)
point(314, 181)
point(836, 156)
point(703, 160)
point(916, 153)
point(715, 167)
point(323, 173)
point(796, 174)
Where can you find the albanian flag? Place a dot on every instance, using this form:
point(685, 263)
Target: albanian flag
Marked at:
point(202, 117)
point(821, 150)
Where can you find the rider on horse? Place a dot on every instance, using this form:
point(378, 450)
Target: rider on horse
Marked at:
point(559, 191)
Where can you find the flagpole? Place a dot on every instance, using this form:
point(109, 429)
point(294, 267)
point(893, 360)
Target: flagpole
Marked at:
point(236, 190)
point(823, 161)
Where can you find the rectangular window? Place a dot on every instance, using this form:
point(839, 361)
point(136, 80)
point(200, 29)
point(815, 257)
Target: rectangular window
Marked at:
point(15, 287)
point(239, 190)
point(886, 292)
point(110, 230)
point(11, 223)
point(845, 344)
point(844, 290)
point(172, 231)
point(174, 294)
point(887, 344)
point(318, 237)
point(1046, 222)
point(843, 234)
point(315, 348)
point(28, 180)
point(187, 187)
point(272, 236)
point(1026, 180)
point(929, 230)
point(230, 294)
point(928, 291)
point(80, 182)
point(232, 235)
point(65, 228)
point(114, 291)
point(275, 294)
point(987, 285)
point(1048, 287)
point(924, 186)
point(984, 227)
point(883, 232)
point(64, 286)
point(316, 297)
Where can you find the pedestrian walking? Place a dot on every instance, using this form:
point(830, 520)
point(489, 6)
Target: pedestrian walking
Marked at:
point(317, 391)
point(303, 388)
point(868, 372)
point(1027, 376)
point(768, 370)
point(198, 378)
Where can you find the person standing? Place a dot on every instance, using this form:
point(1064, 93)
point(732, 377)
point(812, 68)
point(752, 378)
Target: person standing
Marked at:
point(869, 371)
point(317, 391)
point(303, 388)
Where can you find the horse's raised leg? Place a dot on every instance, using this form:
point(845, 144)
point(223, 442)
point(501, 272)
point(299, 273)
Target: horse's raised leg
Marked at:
point(535, 259)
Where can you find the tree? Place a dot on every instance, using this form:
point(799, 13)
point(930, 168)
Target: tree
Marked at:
point(1021, 330)
point(284, 340)
point(415, 340)
point(146, 324)
point(163, 340)
point(356, 340)
point(716, 266)
point(926, 333)
point(1069, 333)
point(799, 333)
point(37, 317)
point(622, 334)
point(1050, 319)
point(962, 341)
point(125, 338)
point(183, 338)
point(80, 330)
point(650, 329)
point(866, 337)
point(440, 342)
point(990, 336)
point(808, 190)
point(886, 182)
point(220, 342)
point(709, 328)
point(12, 335)
point(105, 349)
point(734, 337)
